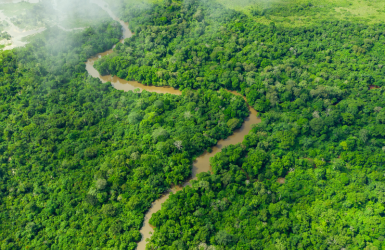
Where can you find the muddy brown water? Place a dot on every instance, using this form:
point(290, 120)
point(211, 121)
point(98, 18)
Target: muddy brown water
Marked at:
point(122, 84)
point(202, 163)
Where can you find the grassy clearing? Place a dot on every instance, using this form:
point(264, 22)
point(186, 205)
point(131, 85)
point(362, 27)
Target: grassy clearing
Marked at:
point(306, 12)
point(374, 11)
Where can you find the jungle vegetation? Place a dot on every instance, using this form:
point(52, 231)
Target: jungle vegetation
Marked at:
point(81, 162)
point(310, 176)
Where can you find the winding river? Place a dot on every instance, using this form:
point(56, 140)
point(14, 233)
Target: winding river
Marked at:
point(202, 163)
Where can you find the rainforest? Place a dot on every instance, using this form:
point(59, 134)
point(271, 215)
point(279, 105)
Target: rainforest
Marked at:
point(192, 124)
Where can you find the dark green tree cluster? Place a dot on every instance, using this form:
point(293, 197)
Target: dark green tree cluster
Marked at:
point(81, 162)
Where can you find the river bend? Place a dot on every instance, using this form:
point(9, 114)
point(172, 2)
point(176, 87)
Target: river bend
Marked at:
point(202, 163)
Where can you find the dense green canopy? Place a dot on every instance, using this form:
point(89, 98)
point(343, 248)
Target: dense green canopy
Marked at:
point(81, 162)
point(322, 132)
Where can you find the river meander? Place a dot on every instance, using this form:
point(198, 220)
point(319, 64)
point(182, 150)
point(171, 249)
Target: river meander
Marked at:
point(202, 163)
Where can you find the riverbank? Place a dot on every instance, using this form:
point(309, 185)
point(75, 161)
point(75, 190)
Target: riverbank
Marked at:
point(202, 163)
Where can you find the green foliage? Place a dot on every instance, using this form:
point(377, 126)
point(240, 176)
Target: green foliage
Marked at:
point(223, 238)
point(254, 162)
point(233, 123)
point(310, 167)
point(83, 162)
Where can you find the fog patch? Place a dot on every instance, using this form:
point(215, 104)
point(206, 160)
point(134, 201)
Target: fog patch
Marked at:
point(22, 19)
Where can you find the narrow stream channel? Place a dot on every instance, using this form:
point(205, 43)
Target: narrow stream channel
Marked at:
point(202, 163)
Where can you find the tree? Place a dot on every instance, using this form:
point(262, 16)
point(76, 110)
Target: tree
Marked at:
point(364, 135)
point(255, 161)
point(316, 124)
point(134, 118)
point(160, 134)
point(287, 139)
point(233, 123)
point(223, 238)
point(108, 210)
point(381, 117)
point(101, 184)
point(178, 144)
point(348, 118)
